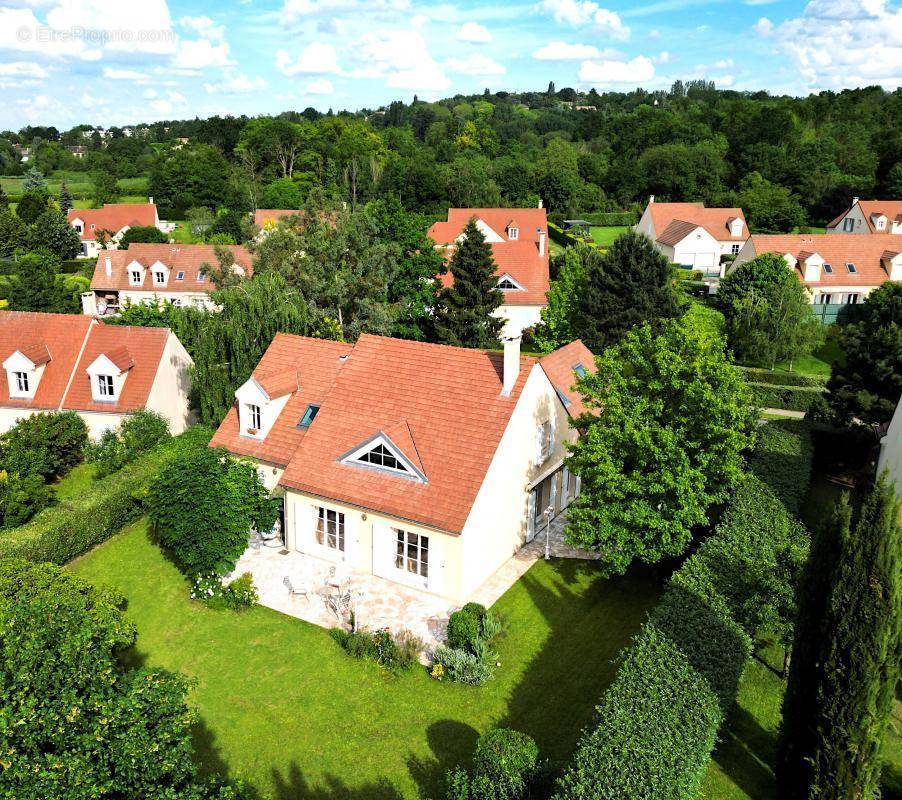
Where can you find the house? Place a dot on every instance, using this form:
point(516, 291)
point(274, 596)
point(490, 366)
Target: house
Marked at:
point(693, 236)
point(154, 273)
point(70, 362)
point(77, 150)
point(890, 458)
point(422, 464)
point(114, 217)
point(518, 237)
point(837, 271)
point(267, 218)
point(869, 216)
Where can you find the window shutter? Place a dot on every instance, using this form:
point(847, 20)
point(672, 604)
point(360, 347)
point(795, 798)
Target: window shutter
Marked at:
point(383, 551)
point(436, 565)
point(531, 516)
point(305, 517)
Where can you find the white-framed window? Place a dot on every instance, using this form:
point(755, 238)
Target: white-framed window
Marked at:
point(180, 276)
point(159, 277)
point(852, 299)
point(201, 276)
point(253, 414)
point(513, 233)
point(734, 249)
point(135, 277)
point(825, 299)
point(330, 529)
point(507, 284)
point(381, 456)
point(881, 223)
point(546, 439)
point(78, 228)
point(412, 553)
point(851, 267)
point(105, 387)
point(21, 381)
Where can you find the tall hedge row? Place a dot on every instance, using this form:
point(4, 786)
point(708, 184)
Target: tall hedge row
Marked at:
point(780, 378)
point(62, 532)
point(656, 725)
point(782, 459)
point(794, 398)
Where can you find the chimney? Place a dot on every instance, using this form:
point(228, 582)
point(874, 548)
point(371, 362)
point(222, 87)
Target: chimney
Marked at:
point(511, 364)
point(540, 202)
point(109, 266)
point(651, 198)
point(855, 201)
point(150, 199)
point(541, 241)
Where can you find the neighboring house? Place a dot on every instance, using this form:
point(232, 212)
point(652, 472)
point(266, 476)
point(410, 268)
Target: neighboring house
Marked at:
point(267, 218)
point(519, 241)
point(115, 217)
point(693, 236)
point(154, 273)
point(69, 362)
point(891, 451)
point(869, 216)
point(423, 464)
point(837, 271)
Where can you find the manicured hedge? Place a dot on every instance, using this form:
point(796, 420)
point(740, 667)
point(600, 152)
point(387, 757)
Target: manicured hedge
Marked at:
point(657, 724)
point(612, 218)
point(780, 378)
point(557, 235)
point(62, 532)
point(793, 398)
point(782, 459)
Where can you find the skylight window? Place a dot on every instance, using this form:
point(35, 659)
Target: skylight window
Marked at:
point(828, 268)
point(309, 416)
point(852, 268)
point(180, 276)
point(201, 276)
point(580, 370)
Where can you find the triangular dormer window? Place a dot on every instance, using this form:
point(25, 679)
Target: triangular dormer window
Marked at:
point(382, 454)
point(507, 284)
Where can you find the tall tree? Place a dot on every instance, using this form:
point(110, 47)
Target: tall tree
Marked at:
point(35, 287)
point(66, 200)
point(106, 188)
point(52, 232)
point(557, 328)
point(867, 383)
point(465, 307)
point(671, 419)
point(858, 664)
point(32, 204)
point(768, 314)
point(627, 286)
point(34, 180)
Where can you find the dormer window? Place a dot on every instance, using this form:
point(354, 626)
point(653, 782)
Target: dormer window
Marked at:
point(880, 223)
point(108, 373)
point(851, 268)
point(201, 276)
point(159, 277)
point(513, 233)
point(135, 277)
point(105, 386)
point(382, 454)
point(24, 369)
point(21, 381)
point(828, 268)
point(254, 417)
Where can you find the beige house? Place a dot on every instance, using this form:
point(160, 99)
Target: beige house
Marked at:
point(70, 362)
point(425, 465)
point(891, 451)
point(115, 219)
point(869, 216)
point(693, 236)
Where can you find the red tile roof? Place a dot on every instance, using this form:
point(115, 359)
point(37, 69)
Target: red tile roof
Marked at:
point(315, 364)
point(187, 258)
point(891, 209)
point(865, 252)
point(73, 342)
point(560, 367)
point(714, 220)
point(676, 231)
point(264, 215)
point(518, 258)
point(113, 217)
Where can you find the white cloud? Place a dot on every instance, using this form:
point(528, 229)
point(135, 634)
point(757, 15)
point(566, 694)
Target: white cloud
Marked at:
point(662, 58)
point(296, 10)
point(837, 44)
point(601, 73)
point(401, 58)
point(161, 106)
point(419, 20)
point(476, 64)
point(203, 27)
point(724, 81)
point(474, 32)
point(319, 86)
point(149, 94)
point(235, 83)
point(561, 51)
point(23, 69)
point(200, 54)
point(176, 97)
point(583, 12)
point(316, 58)
point(764, 27)
point(113, 74)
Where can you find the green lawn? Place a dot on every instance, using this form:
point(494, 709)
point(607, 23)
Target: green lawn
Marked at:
point(182, 233)
point(283, 706)
point(134, 190)
point(604, 236)
point(78, 479)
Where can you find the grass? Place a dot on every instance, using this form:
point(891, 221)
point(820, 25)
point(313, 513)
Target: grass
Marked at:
point(604, 236)
point(283, 706)
point(182, 233)
point(77, 481)
point(133, 190)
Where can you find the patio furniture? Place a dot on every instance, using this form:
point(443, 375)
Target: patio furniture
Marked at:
point(342, 603)
point(296, 589)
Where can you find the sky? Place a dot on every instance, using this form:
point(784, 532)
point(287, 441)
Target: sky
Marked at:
point(118, 62)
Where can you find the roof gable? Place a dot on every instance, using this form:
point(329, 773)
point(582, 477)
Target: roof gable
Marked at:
point(716, 221)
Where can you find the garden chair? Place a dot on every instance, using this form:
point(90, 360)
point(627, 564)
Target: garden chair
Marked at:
point(294, 591)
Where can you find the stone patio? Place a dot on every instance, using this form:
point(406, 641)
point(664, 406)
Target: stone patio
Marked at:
point(382, 603)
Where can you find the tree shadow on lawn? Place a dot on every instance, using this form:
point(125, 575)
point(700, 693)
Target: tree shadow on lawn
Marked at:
point(292, 785)
point(745, 753)
point(452, 744)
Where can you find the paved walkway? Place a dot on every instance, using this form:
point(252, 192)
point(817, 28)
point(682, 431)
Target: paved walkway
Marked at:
point(784, 412)
point(381, 603)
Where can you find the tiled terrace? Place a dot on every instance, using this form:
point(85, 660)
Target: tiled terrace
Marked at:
point(380, 603)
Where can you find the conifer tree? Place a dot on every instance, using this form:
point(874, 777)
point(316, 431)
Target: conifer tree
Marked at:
point(66, 199)
point(35, 287)
point(627, 286)
point(465, 308)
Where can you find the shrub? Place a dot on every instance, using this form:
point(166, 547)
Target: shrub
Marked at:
point(463, 667)
point(793, 398)
point(203, 505)
point(398, 652)
point(782, 459)
point(48, 445)
point(235, 596)
point(73, 527)
point(509, 760)
point(464, 626)
point(138, 433)
point(21, 497)
point(779, 378)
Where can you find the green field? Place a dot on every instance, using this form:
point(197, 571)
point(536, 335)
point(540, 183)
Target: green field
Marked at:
point(282, 705)
point(134, 190)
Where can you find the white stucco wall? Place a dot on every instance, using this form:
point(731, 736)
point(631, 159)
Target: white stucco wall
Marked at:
point(97, 422)
point(518, 318)
point(169, 393)
point(891, 450)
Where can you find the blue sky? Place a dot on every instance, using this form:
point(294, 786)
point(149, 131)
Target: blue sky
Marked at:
point(115, 62)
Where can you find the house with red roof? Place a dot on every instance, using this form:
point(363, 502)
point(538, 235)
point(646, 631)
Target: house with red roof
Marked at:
point(837, 271)
point(71, 362)
point(693, 236)
point(869, 216)
point(519, 241)
point(155, 273)
point(422, 464)
point(116, 218)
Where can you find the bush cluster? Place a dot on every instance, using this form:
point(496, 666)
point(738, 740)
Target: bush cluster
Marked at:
point(657, 723)
point(235, 596)
point(138, 433)
point(74, 527)
point(469, 657)
point(780, 378)
point(606, 219)
point(398, 652)
point(793, 398)
point(506, 766)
